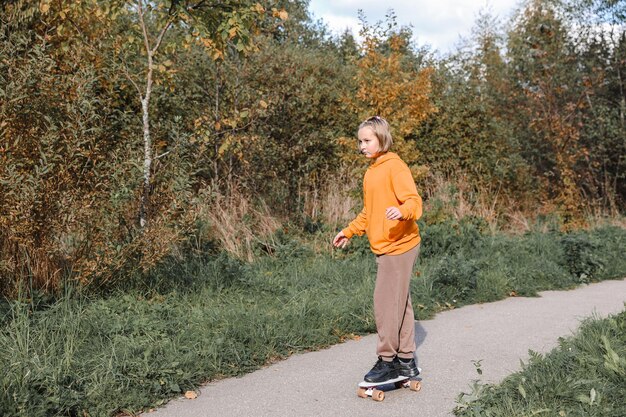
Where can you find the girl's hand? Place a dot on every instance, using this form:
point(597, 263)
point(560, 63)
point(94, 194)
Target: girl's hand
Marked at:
point(393, 213)
point(340, 241)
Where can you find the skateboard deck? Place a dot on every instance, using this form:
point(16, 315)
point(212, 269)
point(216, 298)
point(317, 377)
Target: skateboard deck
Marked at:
point(376, 390)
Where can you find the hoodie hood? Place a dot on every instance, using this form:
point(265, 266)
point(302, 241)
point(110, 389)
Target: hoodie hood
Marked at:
point(389, 156)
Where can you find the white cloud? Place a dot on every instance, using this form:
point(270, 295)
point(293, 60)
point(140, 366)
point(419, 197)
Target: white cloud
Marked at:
point(338, 24)
point(438, 23)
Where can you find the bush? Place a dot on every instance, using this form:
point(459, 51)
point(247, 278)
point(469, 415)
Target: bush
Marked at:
point(583, 376)
point(451, 236)
point(581, 256)
point(197, 318)
point(455, 277)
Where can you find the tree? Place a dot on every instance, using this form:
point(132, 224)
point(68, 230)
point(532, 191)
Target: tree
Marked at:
point(600, 34)
point(68, 131)
point(216, 25)
point(552, 96)
point(471, 135)
point(59, 143)
point(391, 83)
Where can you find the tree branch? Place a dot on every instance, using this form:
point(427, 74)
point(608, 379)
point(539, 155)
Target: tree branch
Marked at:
point(146, 39)
point(127, 74)
point(160, 38)
point(162, 155)
point(197, 6)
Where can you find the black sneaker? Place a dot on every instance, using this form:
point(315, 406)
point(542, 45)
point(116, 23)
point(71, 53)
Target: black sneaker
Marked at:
point(382, 371)
point(406, 367)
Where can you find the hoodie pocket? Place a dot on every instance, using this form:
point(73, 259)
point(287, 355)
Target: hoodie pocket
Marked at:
point(392, 229)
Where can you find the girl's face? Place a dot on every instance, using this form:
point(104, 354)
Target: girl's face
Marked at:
point(368, 143)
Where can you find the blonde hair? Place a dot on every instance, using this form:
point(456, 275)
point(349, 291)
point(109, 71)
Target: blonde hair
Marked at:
point(381, 130)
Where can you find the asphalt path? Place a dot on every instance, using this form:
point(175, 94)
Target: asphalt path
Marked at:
point(324, 383)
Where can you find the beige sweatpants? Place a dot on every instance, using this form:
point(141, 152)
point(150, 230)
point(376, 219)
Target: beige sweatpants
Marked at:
point(395, 321)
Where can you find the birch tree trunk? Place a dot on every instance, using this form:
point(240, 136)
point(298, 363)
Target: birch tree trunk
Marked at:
point(147, 153)
point(152, 46)
point(145, 109)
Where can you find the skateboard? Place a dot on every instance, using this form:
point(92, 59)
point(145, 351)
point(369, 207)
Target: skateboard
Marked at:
point(376, 390)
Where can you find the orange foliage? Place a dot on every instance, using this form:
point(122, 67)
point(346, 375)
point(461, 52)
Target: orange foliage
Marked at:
point(391, 86)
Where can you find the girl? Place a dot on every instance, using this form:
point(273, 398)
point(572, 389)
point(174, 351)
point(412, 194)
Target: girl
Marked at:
point(391, 206)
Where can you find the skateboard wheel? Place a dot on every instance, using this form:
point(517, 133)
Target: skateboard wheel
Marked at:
point(415, 385)
point(361, 392)
point(378, 395)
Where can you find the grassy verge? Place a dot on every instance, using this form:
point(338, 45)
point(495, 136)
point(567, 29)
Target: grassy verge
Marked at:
point(584, 376)
point(208, 318)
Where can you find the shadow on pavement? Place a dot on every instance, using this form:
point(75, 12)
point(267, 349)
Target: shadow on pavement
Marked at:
point(420, 336)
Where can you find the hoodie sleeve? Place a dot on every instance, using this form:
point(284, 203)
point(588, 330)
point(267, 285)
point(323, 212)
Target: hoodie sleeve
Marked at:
point(406, 194)
point(357, 226)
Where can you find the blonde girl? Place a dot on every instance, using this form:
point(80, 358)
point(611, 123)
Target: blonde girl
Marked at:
point(391, 206)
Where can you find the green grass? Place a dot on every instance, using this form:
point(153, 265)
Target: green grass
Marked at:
point(584, 376)
point(132, 350)
point(208, 318)
point(463, 265)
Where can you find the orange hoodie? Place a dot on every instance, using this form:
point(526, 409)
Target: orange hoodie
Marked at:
point(388, 182)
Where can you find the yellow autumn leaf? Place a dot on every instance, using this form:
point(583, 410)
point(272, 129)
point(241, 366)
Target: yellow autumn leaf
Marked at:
point(44, 7)
point(283, 14)
point(263, 104)
point(208, 43)
point(223, 148)
point(191, 395)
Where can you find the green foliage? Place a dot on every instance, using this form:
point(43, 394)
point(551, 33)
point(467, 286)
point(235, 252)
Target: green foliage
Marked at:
point(584, 375)
point(450, 236)
point(202, 318)
point(603, 60)
point(69, 132)
point(552, 95)
point(461, 263)
point(580, 256)
point(65, 179)
point(470, 132)
point(292, 145)
point(131, 351)
point(455, 276)
point(243, 101)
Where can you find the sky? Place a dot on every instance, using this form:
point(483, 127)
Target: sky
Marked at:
point(438, 23)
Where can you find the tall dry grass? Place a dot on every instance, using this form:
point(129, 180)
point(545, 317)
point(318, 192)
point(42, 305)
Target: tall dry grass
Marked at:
point(459, 198)
point(340, 200)
point(239, 223)
point(336, 201)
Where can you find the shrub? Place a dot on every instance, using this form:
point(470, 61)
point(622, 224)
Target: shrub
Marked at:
point(581, 256)
point(455, 276)
point(583, 376)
